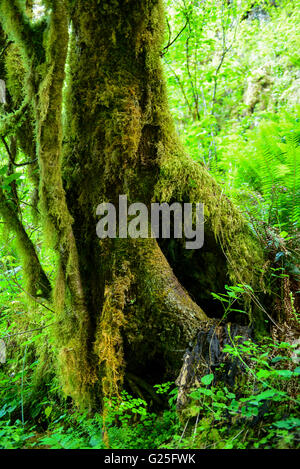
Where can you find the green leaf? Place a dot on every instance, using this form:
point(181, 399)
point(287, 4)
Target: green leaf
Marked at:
point(96, 440)
point(288, 424)
point(284, 373)
point(48, 411)
point(207, 379)
point(284, 234)
point(262, 374)
point(297, 370)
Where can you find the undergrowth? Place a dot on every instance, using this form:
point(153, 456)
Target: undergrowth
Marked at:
point(260, 411)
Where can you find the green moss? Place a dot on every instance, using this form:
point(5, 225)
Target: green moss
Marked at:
point(36, 282)
point(182, 179)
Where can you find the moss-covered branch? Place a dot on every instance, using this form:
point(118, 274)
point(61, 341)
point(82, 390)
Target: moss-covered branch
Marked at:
point(54, 210)
point(9, 123)
point(49, 120)
point(37, 283)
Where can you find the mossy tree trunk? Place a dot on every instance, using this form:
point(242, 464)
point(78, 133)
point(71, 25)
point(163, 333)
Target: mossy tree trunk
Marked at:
point(124, 305)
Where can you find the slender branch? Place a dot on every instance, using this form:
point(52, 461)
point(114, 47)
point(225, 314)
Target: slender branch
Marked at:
point(169, 30)
point(30, 295)
point(31, 330)
point(13, 184)
point(26, 163)
point(194, 91)
point(22, 385)
point(6, 148)
point(225, 50)
point(5, 48)
point(175, 39)
point(181, 86)
point(12, 160)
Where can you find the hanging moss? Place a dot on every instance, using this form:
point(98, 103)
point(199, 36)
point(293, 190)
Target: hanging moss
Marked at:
point(108, 344)
point(44, 64)
point(18, 119)
point(74, 346)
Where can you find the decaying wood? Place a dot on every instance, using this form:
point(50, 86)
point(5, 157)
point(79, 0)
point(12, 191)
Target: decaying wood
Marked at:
point(205, 355)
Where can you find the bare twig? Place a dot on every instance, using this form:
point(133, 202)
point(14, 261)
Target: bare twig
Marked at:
point(181, 86)
point(5, 48)
point(165, 49)
point(30, 330)
point(11, 158)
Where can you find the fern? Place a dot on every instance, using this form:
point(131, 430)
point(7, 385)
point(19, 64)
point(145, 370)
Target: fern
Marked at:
point(264, 165)
point(277, 167)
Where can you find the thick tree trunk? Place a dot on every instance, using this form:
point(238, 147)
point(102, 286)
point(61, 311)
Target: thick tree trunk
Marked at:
point(120, 140)
point(122, 309)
